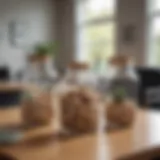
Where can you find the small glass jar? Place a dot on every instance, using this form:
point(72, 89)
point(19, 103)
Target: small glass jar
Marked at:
point(122, 75)
point(40, 70)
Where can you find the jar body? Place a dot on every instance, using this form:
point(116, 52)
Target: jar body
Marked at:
point(125, 78)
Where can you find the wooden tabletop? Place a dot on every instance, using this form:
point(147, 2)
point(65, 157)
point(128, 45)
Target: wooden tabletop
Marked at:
point(41, 143)
point(19, 86)
point(11, 86)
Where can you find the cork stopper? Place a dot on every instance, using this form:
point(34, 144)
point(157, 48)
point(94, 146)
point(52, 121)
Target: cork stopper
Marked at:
point(78, 66)
point(37, 58)
point(120, 60)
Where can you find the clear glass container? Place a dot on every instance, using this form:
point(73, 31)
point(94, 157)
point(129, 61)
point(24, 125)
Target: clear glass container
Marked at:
point(81, 75)
point(40, 71)
point(122, 74)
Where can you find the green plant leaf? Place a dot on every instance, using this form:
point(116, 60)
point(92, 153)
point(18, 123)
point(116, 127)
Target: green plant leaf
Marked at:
point(27, 95)
point(43, 49)
point(119, 94)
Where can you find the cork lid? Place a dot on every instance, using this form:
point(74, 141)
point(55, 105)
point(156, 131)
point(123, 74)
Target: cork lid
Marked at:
point(120, 60)
point(78, 65)
point(37, 58)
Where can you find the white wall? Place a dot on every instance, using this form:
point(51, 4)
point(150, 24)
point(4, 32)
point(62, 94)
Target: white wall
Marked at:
point(39, 17)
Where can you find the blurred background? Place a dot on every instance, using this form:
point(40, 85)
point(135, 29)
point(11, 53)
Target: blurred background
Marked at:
point(90, 30)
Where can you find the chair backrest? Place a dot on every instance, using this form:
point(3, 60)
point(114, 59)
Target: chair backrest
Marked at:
point(4, 74)
point(149, 86)
point(149, 154)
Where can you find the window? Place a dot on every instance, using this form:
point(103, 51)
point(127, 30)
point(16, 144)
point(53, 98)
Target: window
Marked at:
point(96, 31)
point(154, 32)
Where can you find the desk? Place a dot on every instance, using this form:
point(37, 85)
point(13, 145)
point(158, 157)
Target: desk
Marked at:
point(142, 137)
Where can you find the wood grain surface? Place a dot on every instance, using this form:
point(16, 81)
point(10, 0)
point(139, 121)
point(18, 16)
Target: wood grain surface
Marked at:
point(41, 143)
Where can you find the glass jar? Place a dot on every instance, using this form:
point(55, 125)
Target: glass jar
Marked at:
point(122, 75)
point(40, 70)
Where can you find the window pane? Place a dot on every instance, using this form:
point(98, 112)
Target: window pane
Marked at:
point(155, 5)
point(93, 9)
point(99, 41)
point(155, 42)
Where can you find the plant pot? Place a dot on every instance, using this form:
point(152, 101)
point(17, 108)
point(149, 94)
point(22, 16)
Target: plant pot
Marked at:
point(120, 113)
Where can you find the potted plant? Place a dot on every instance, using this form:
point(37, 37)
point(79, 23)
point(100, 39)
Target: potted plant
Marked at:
point(42, 51)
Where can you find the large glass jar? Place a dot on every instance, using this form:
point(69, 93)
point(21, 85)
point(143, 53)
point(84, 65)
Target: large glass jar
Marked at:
point(122, 75)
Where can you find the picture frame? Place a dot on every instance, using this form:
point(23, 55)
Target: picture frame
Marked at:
point(18, 33)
